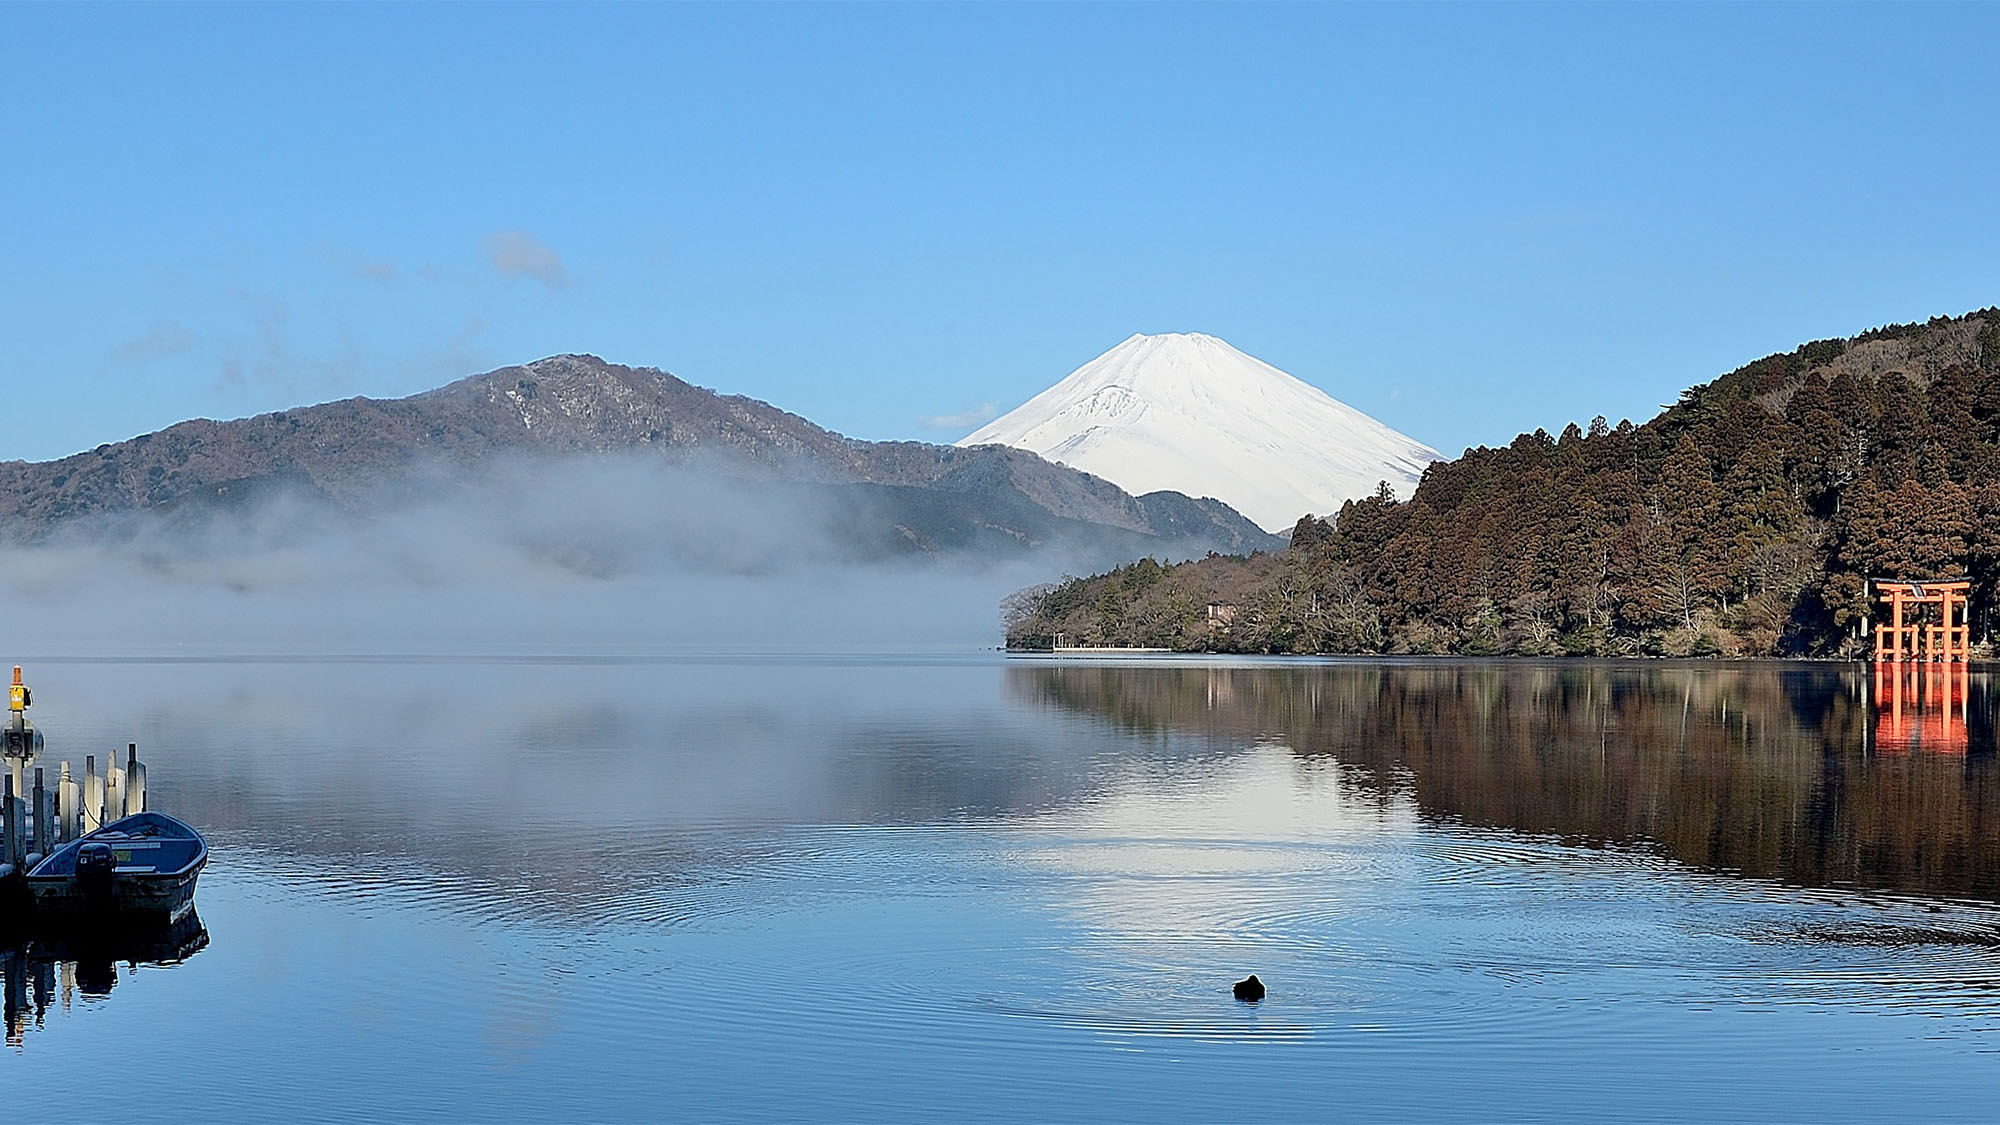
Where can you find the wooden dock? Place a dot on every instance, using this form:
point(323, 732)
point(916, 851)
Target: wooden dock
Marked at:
point(43, 815)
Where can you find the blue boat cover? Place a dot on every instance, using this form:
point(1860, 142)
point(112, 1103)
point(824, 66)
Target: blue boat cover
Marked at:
point(146, 843)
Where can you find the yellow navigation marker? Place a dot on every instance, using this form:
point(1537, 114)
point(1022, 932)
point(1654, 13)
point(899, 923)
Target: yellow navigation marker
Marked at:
point(17, 696)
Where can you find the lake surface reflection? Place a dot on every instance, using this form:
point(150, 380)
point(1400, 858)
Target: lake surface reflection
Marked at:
point(1802, 774)
point(596, 885)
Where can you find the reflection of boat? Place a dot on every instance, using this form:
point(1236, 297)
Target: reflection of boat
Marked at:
point(143, 866)
point(154, 944)
point(50, 969)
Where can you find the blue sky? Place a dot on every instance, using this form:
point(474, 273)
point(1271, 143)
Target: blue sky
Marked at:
point(1467, 221)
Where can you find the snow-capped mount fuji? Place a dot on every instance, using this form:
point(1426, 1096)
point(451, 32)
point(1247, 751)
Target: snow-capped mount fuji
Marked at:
point(1187, 412)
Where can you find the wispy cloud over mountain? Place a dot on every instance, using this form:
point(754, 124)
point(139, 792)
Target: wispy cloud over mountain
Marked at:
point(168, 337)
point(516, 254)
point(963, 420)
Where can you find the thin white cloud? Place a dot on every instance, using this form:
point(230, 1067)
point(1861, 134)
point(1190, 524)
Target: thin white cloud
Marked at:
point(264, 363)
point(169, 337)
point(963, 420)
point(516, 254)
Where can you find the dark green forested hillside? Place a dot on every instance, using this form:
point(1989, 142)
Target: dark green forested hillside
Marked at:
point(1743, 520)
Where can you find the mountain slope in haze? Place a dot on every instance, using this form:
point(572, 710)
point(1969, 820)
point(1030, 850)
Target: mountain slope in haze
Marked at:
point(1187, 412)
point(351, 452)
point(1744, 520)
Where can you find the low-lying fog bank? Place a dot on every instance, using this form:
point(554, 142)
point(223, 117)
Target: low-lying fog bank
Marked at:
point(527, 555)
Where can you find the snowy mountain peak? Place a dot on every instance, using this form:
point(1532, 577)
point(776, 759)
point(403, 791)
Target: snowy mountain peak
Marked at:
point(1188, 412)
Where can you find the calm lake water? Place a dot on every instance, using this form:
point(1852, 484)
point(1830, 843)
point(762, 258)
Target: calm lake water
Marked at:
point(871, 887)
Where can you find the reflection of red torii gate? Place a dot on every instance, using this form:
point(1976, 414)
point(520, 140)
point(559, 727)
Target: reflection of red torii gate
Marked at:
point(1947, 639)
point(1928, 708)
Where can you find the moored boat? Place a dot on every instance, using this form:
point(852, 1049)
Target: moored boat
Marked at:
point(140, 867)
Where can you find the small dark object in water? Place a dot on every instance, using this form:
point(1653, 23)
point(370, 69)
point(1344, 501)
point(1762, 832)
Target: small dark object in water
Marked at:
point(1251, 990)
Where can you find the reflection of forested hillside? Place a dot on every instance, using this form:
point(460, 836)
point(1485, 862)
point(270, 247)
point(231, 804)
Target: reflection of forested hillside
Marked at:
point(1760, 770)
point(1743, 520)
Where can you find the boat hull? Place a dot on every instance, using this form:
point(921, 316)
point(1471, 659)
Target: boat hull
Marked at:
point(142, 868)
point(164, 898)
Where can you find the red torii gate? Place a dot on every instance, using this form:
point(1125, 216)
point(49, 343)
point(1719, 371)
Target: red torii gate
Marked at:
point(1945, 640)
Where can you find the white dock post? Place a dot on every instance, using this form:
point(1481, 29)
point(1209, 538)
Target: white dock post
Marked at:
point(135, 781)
point(69, 798)
point(10, 826)
point(44, 813)
point(114, 791)
point(93, 796)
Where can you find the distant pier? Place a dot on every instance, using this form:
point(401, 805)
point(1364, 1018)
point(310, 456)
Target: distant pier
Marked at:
point(1058, 648)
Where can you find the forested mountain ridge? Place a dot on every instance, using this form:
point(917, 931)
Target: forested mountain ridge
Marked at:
point(1743, 520)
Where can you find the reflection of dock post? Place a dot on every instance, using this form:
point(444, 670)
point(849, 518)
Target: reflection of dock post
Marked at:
point(45, 986)
point(14, 979)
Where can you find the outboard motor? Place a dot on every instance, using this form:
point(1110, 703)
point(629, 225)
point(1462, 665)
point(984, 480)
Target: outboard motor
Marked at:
point(95, 864)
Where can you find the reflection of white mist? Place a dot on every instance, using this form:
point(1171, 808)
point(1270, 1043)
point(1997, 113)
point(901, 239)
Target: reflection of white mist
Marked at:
point(598, 551)
point(1172, 885)
point(421, 748)
point(1252, 819)
point(1267, 794)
